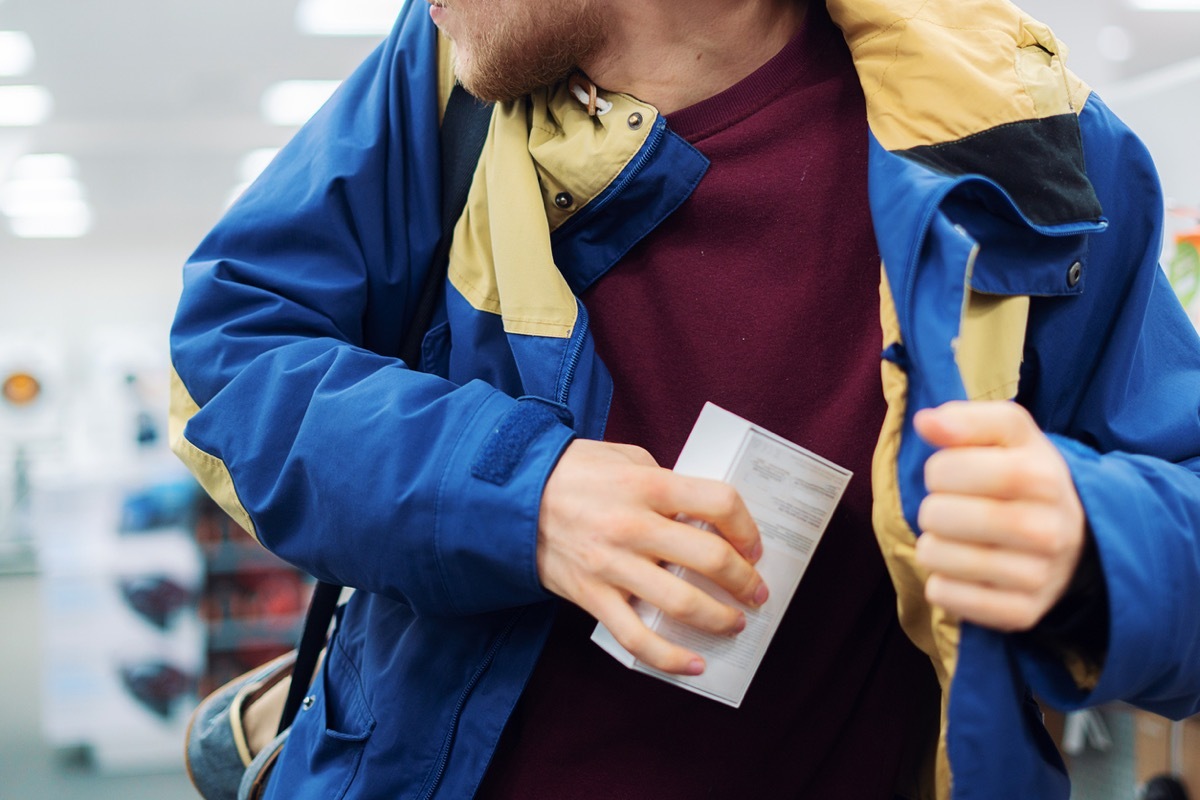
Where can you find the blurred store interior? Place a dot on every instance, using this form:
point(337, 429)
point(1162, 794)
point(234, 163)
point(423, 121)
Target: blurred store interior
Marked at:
point(126, 128)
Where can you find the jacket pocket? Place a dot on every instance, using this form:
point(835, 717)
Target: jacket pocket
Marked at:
point(325, 749)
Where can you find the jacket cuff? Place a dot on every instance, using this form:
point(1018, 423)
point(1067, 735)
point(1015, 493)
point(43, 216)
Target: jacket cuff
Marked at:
point(489, 500)
point(1076, 628)
point(1096, 634)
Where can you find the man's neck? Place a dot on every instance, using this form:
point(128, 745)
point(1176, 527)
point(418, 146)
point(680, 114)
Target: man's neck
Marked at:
point(674, 53)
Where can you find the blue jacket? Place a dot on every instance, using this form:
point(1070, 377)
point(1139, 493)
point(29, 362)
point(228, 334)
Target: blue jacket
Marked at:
point(1019, 239)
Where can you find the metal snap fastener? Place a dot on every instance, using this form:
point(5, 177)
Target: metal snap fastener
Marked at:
point(1074, 273)
point(309, 702)
point(635, 120)
point(564, 200)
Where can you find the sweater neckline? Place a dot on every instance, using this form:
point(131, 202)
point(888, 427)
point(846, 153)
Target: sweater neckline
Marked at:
point(790, 67)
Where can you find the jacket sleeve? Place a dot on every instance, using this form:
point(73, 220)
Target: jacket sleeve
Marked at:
point(1125, 414)
point(289, 402)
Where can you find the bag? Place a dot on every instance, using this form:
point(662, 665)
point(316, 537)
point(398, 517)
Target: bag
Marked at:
point(229, 750)
point(236, 733)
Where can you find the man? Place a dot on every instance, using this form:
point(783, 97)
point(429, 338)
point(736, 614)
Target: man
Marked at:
point(708, 225)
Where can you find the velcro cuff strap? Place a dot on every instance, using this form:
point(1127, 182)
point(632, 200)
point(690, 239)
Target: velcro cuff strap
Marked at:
point(505, 446)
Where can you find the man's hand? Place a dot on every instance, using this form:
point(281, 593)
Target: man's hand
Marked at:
point(1002, 526)
point(607, 525)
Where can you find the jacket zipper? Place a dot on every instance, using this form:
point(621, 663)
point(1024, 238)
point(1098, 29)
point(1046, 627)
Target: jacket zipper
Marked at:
point(444, 756)
point(571, 363)
point(580, 334)
point(648, 149)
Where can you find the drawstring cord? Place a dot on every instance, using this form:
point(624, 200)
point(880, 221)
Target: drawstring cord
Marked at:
point(585, 92)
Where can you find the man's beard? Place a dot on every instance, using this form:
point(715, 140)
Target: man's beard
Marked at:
point(525, 50)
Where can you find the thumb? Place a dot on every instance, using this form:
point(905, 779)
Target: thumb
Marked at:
point(964, 423)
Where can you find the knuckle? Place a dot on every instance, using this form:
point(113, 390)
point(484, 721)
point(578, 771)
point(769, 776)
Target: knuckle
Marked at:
point(930, 512)
point(934, 590)
point(1016, 412)
point(656, 485)
point(679, 602)
point(933, 470)
point(716, 560)
point(622, 531)
point(727, 499)
point(1013, 480)
point(635, 640)
point(598, 560)
point(642, 456)
point(1025, 616)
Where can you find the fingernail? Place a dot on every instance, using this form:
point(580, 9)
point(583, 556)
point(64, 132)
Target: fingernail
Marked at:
point(761, 594)
point(695, 666)
point(740, 625)
point(756, 553)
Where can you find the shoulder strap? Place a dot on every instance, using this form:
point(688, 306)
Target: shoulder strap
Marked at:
point(464, 129)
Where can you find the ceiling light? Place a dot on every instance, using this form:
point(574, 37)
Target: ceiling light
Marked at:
point(293, 102)
point(347, 17)
point(43, 199)
point(16, 53)
point(40, 198)
point(24, 105)
point(63, 226)
point(43, 166)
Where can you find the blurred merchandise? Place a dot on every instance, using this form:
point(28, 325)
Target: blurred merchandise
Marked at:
point(159, 686)
point(111, 516)
point(252, 603)
point(1183, 265)
point(31, 425)
point(1167, 757)
point(158, 598)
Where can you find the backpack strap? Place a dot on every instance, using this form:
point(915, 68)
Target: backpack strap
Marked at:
point(464, 130)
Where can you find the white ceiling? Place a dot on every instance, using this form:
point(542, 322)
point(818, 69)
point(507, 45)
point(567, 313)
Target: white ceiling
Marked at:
point(158, 100)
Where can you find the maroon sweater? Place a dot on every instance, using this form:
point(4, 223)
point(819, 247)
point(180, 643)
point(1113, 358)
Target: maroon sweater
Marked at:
point(760, 294)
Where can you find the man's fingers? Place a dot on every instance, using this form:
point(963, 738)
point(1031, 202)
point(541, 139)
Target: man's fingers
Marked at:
point(709, 501)
point(997, 472)
point(681, 600)
point(630, 632)
point(1032, 527)
point(1000, 609)
point(972, 563)
point(708, 555)
point(978, 423)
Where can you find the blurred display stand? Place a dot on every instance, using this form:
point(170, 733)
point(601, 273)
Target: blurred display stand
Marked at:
point(31, 430)
point(110, 515)
point(149, 593)
point(252, 603)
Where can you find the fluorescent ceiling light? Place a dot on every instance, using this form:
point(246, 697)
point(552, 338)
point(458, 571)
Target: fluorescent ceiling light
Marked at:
point(24, 105)
point(43, 166)
point(16, 53)
point(293, 102)
point(40, 198)
point(1166, 5)
point(43, 199)
point(62, 226)
point(347, 17)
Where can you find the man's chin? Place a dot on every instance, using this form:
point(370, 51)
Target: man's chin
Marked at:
point(505, 86)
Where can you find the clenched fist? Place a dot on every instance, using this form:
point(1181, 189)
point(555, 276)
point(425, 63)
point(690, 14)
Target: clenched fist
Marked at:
point(1002, 526)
